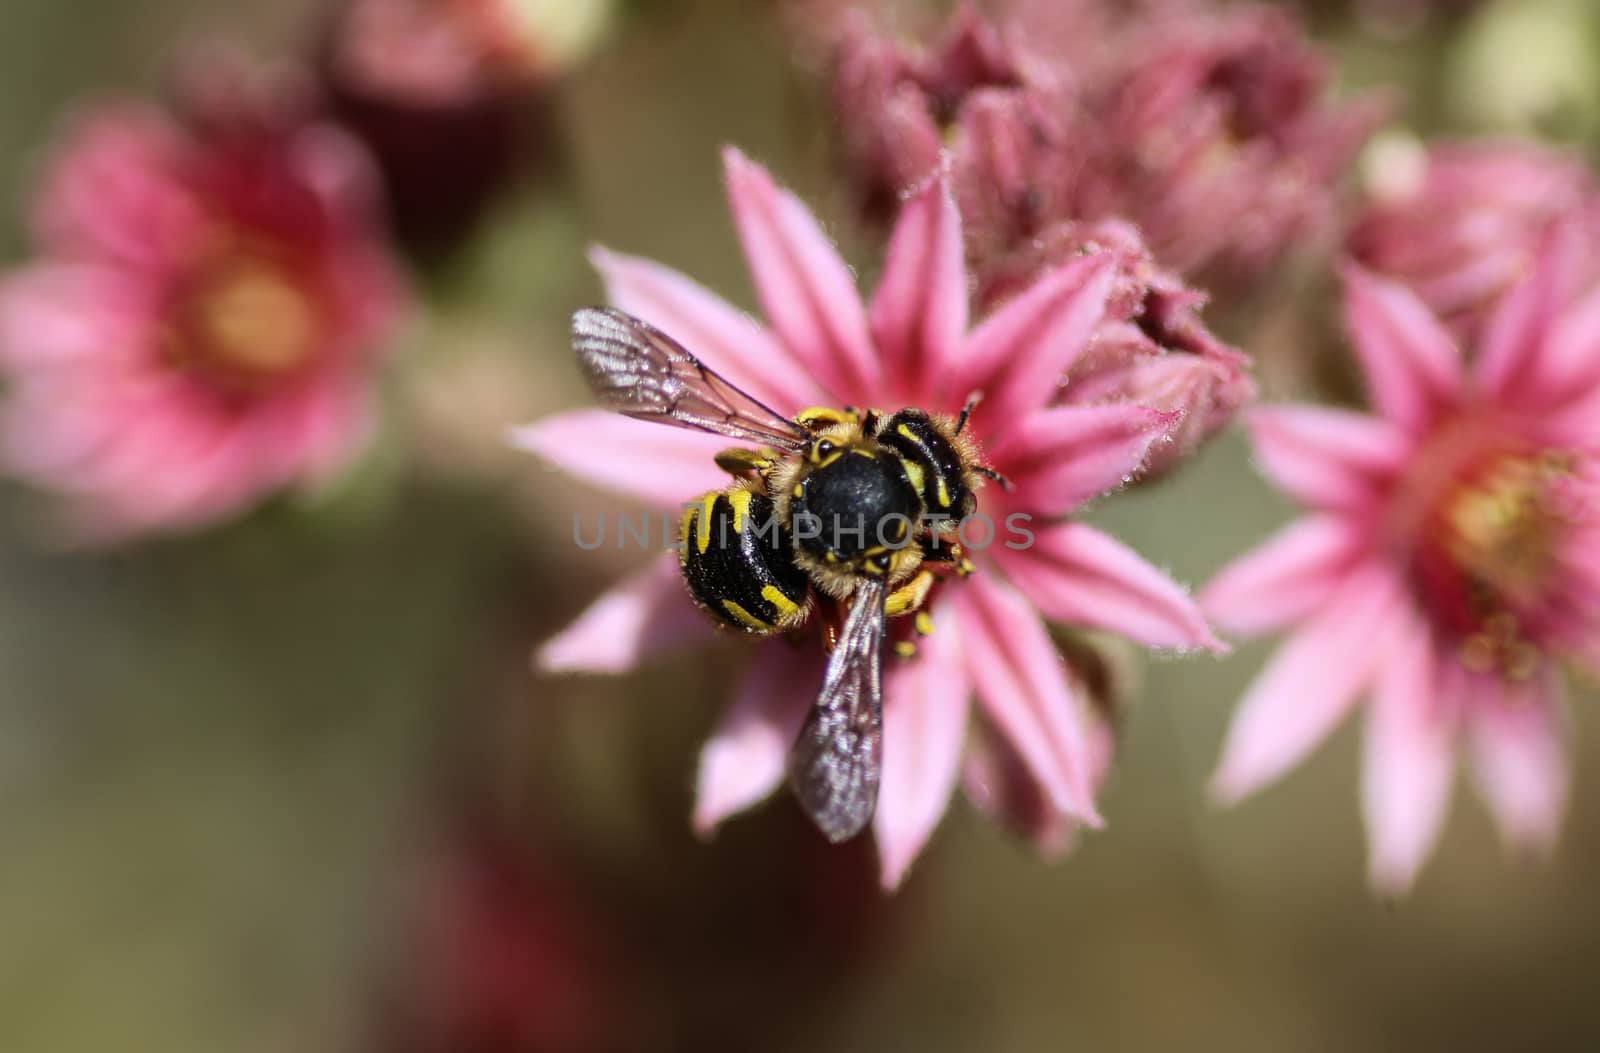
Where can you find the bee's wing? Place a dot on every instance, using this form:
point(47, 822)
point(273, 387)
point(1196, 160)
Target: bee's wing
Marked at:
point(637, 370)
point(836, 760)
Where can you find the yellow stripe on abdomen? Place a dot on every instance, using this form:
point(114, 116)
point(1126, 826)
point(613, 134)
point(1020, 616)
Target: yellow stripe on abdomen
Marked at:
point(783, 604)
point(740, 500)
point(744, 617)
point(703, 538)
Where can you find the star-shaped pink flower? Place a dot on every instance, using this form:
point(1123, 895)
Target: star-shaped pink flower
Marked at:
point(1451, 556)
point(911, 345)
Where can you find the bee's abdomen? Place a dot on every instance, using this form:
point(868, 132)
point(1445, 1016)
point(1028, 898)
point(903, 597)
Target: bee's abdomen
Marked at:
point(738, 561)
point(932, 462)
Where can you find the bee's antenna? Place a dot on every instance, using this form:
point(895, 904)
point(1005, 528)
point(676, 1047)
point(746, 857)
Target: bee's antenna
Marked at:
point(966, 411)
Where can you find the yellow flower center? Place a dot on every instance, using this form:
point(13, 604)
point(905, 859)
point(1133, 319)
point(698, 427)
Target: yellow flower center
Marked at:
point(247, 322)
point(1487, 556)
point(1501, 527)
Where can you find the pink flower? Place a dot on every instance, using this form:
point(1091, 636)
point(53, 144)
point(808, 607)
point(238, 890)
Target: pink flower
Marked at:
point(1460, 223)
point(1225, 146)
point(911, 345)
point(1211, 129)
point(1451, 557)
point(201, 326)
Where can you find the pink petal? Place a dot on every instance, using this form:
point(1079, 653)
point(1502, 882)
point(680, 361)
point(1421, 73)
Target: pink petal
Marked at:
point(117, 190)
point(1021, 684)
point(1308, 686)
point(1519, 756)
point(1409, 760)
point(808, 294)
point(746, 757)
point(1326, 458)
point(1284, 580)
point(63, 314)
point(924, 726)
point(1020, 354)
point(308, 434)
point(1410, 360)
point(1000, 786)
point(719, 334)
point(642, 460)
point(919, 312)
point(1077, 575)
point(1059, 458)
point(1518, 333)
point(1570, 363)
point(164, 457)
point(647, 613)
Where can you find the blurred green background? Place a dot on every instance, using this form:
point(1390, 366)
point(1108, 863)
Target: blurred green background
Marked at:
point(228, 764)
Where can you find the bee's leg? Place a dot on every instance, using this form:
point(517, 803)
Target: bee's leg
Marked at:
point(738, 460)
point(908, 599)
point(939, 549)
point(990, 473)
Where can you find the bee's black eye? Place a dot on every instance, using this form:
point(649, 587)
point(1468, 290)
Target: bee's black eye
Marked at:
point(825, 448)
point(881, 562)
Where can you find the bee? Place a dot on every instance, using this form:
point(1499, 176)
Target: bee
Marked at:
point(832, 507)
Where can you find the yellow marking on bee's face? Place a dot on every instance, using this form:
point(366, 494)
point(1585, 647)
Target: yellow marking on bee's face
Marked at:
point(876, 550)
point(859, 452)
point(784, 605)
point(823, 462)
point(740, 500)
point(944, 494)
point(744, 617)
point(910, 435)
point(914, 473)
point(799, 490)
point(923, 623)
point(703, 538)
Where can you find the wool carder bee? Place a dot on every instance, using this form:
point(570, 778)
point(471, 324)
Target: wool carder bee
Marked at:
point(853, 512)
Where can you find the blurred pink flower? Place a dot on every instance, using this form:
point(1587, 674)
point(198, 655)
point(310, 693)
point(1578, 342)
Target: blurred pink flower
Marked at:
point(1460, 223)
point(1451, 557)
point(910, 346)
point(202, 323)
point(1225, 146)
point(1211, 128)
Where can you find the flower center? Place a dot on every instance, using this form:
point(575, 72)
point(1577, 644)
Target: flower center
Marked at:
point(247, 322)
point(1487, 555)
point(1501, 527)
